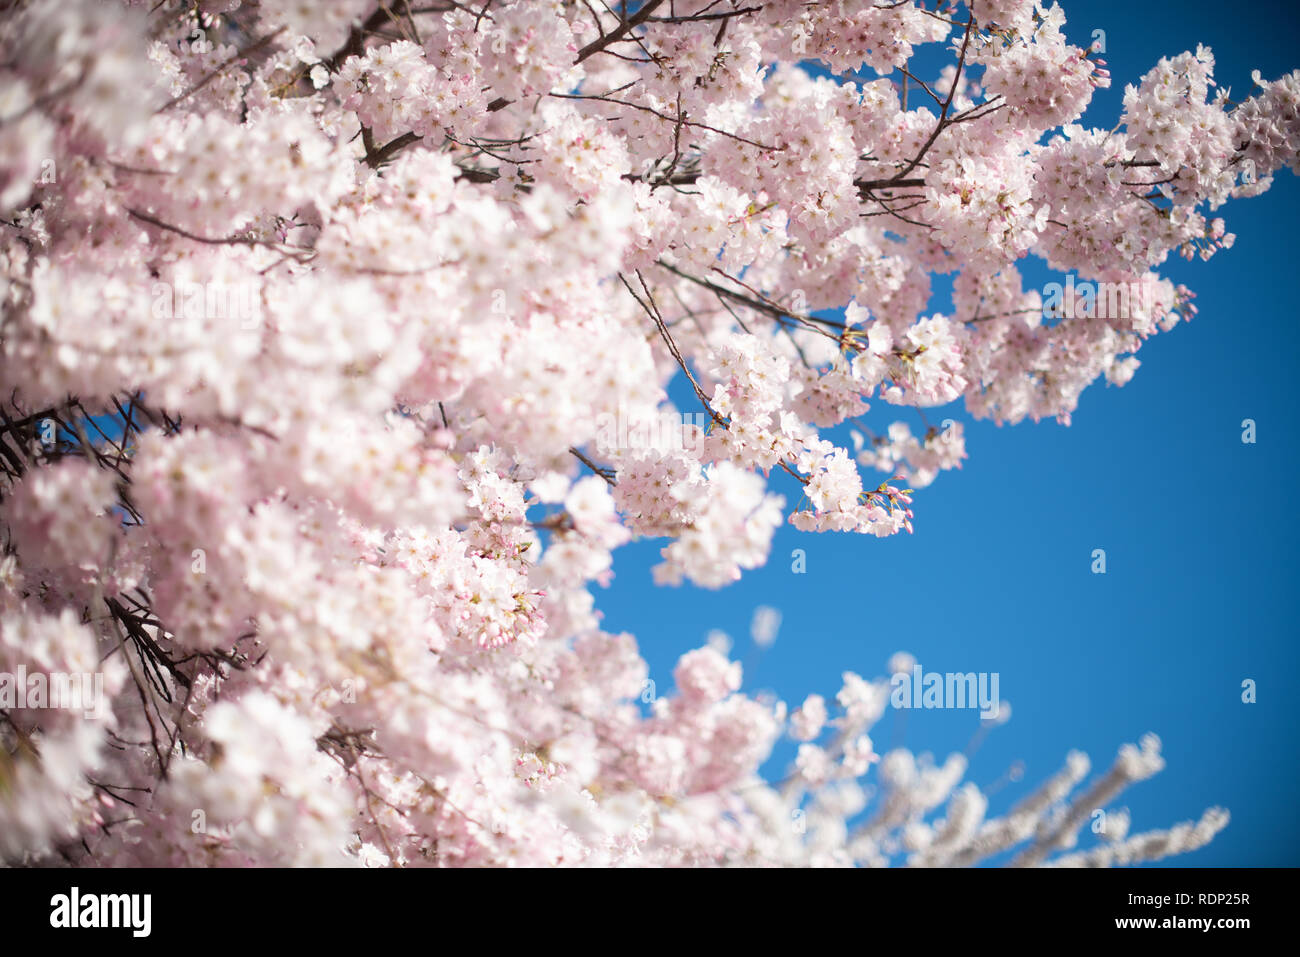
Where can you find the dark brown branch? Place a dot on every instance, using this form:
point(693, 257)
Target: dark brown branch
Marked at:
point(638, 18)
point(602, 472)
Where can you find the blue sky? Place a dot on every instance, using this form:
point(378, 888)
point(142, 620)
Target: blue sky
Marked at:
point(1199, 531)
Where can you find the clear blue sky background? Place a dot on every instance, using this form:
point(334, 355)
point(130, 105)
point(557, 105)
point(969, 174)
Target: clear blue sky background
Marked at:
point(1199, 531)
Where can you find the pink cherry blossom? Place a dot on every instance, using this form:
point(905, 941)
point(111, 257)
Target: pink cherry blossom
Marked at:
point(314, 319)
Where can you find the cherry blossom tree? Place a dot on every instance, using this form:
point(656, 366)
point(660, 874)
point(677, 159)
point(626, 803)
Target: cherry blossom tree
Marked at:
point(332, 336)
